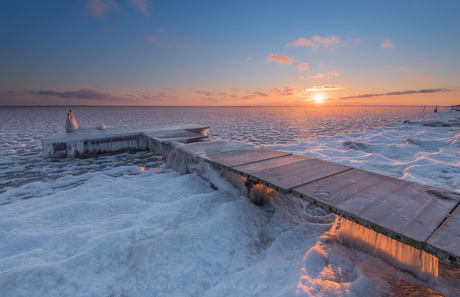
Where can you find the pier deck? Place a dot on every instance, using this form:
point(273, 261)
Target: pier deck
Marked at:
point(91, 140)
point(421, 216)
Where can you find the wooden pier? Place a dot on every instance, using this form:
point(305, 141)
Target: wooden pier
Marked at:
point(420, 216)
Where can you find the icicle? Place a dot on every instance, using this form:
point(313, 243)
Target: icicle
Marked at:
point(406, 258)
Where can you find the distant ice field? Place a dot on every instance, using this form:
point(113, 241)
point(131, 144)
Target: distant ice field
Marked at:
point(127, 225)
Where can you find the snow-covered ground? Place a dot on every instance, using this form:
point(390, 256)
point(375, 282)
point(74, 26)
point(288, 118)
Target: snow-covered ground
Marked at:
point(126, 225)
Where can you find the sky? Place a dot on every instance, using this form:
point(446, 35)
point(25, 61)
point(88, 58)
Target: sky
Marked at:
point(229, 53)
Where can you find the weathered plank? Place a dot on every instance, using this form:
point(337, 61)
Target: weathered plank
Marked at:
point(244, 156)
point(389, 205)
point(175, 135)
point(285, 173)
point(445, 242)
point(226, 153)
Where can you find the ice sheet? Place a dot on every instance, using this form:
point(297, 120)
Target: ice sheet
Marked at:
point(127, 225)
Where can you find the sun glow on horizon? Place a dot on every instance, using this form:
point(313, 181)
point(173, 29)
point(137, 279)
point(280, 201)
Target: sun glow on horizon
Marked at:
point(319, 98)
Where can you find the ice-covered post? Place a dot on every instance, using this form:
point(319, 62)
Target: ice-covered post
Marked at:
point(71, 123)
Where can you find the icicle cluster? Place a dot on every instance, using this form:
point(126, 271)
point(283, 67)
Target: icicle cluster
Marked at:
point(406, 258)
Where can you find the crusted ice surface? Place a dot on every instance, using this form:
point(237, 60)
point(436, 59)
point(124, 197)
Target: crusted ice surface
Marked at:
point(126, 225)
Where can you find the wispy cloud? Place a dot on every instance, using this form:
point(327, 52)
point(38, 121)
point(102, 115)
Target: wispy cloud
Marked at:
point(334, 72)
point(387, 43)
point(260, 94)
point(321, 64)
point(249, 59)
point(142, 5)
point(89, 94)
point(280, 59)
point(323, 88)
point(319, 75)
point(397, 93)
point(234, 89)
point(98, 8)
point(9, 92)
point(152, 40)
point(220, 93)
point(316, 41)
point(162, 32)
point(421, 77)
point(303, 66)
point(205, 92)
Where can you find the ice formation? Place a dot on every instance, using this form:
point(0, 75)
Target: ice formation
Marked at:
point(71, 123)
point(406, 258)
point(112, 226)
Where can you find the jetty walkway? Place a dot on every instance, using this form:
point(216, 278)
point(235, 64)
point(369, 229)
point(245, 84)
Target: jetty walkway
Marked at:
point(420, 216)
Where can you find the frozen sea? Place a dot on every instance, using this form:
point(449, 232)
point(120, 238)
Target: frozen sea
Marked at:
point(127, 225)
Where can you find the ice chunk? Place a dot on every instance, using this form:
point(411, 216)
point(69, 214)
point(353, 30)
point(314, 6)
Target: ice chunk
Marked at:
point(357, 146)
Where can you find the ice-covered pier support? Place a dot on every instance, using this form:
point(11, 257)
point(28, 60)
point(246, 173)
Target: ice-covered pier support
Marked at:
point(160, 139)
point(419, 216)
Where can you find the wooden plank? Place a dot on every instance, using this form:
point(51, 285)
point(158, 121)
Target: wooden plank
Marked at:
point(244, 156)
point(285, 173)
point(389, 205)
point(270, 164)
point(227, 153)
point(175, 135)
point(215, 146)
point(447, 238)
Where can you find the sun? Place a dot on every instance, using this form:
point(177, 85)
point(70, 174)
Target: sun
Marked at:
point(319, 98)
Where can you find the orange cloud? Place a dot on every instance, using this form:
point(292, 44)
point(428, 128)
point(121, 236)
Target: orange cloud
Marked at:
point(300, 77)
point(220, 93)
point(404, 68)
point(319, 75)
point(249, 59)
point(321, 64)
point(421, 77)
point(234, 89)
point(98, 8)
point(274, 90)
point(280, 59)
point(323, 88)
point(142, 6)
point(152, 40)
point(315, 42)
point(303, 66)
point(334, 72)
point(387, 43)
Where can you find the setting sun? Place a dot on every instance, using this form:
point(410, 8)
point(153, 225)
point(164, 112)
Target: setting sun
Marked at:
point(319, 97)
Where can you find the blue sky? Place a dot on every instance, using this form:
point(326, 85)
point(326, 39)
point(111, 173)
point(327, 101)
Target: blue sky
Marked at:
point(139, 52)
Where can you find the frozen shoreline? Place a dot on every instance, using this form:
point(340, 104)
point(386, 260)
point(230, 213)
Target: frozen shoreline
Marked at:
point(122, 225)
